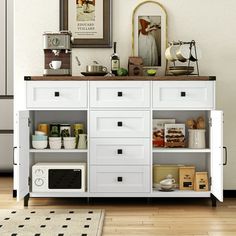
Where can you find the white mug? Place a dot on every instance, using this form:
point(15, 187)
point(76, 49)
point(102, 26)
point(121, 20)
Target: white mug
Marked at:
point(197, 138)
point(82, 141)
point(55, 65)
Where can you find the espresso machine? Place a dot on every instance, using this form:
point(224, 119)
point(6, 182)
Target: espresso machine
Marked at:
point(57, 53)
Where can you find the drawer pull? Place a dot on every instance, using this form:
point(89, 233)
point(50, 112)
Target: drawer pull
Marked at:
point(183, 94)
point(119, 151)
point(119, 94)
point(57, 94)
point(119, 124)
point(119, 179)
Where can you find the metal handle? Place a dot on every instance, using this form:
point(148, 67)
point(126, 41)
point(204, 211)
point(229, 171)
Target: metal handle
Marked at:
point(57, 94)
point(183, 94)
point(226, 156)
point(119, 151)
point(119, 179)
point(119, 124)
point(119, 94)
point(14, 156)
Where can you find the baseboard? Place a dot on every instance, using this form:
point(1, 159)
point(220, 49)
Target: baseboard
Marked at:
point(6, 174)
point(229, 193)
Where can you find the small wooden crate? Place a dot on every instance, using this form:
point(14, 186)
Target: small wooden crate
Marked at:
point(201, 181)
point(186, 177)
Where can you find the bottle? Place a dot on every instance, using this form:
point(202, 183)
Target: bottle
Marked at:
point(115, 61)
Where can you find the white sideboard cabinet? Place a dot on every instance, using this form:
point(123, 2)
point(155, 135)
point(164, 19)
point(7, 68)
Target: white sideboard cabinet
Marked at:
point(117, 114)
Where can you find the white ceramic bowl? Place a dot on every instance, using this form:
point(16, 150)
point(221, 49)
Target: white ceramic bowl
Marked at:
point(69, 142)
point(40, 133)
point(55, 142)
point(40, 144)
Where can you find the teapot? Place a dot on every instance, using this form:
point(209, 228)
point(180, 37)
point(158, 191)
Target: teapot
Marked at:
point(167, 183)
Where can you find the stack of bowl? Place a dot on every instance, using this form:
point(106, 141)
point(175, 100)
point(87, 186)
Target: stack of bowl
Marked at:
point(55, 143)
point(39, 140)
point(181, 70)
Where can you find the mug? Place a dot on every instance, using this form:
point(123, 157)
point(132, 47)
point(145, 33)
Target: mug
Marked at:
point(82, 144)
point(183, 53)
point(78, 129)
point(54, 130)
point(65, 130)
point(43, 128)
point(170, 53)
point(55, 65)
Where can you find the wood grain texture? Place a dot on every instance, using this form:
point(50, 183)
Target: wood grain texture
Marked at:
point(122, 78)
point(131, 217)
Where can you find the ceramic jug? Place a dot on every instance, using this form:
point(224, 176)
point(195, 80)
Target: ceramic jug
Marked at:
point(82, 144)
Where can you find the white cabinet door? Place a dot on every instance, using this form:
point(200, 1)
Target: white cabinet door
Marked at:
point(119, 124)
point(2, 47)
point(6, 107)
point(23, 155)
point(217, 154)
point(57, 94)
point(120, 94)
point(119, 151)
point(6, 152)
point(183, 95)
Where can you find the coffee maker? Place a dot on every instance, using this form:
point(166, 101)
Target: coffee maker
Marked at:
point(57, 53)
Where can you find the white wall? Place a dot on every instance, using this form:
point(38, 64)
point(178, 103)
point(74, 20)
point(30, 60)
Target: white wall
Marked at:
point(210, 22)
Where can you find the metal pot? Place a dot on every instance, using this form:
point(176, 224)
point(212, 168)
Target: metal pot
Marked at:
point(96, 68)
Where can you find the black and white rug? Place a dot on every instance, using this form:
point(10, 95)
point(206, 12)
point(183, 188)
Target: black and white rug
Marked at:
point(51, 222)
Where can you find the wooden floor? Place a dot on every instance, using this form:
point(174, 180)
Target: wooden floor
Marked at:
point(160, 217)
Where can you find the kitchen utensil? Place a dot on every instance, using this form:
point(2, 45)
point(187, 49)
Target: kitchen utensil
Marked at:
point(69, 142)
point(55, 142)
point(54, 130)
point(96, 68)
point(39, 137)
point(196, 138)
point(55, 65)
point(82, 144)
point(43, 128)
point(183, 52)
point(40, 144)
point(40, 133)
point(93, 73)
point(170, 53)
point(65, 130)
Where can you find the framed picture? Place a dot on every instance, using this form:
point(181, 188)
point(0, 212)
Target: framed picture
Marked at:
point(149, 35)
point(89, 22)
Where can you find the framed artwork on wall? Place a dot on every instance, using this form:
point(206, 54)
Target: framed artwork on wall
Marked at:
point(149, 35)
point(89, 22)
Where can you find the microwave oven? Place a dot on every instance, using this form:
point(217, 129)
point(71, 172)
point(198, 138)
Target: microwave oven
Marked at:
point(59, 177)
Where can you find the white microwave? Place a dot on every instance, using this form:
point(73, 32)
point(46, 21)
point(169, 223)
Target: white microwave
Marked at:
point(59, 177)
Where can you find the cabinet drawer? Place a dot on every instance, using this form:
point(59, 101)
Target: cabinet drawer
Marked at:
point(119, 124)
point(120, 94)
point(6, 107)
point(119, 179)
point(119, 151)
point(183, 94)
point(56, 94)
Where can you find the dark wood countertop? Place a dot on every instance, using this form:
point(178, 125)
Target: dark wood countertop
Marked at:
point(119, 78)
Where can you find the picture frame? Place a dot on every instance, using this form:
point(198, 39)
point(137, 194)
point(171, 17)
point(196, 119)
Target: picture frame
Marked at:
point(149, 35)
point(83, 19)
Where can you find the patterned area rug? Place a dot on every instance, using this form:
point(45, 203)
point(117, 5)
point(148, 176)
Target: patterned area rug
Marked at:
point(49, 222)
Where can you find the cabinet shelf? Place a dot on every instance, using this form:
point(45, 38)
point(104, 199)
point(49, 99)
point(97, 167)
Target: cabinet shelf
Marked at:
point(180, 150)
point(58, 151)
point(180, 193)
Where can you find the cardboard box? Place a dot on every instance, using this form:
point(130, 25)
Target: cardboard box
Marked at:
point(174, 135)
point(186, 177)
point(201, 181)
point(159, 131)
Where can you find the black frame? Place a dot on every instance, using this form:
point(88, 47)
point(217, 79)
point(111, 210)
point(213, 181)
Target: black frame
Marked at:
point(105, 42)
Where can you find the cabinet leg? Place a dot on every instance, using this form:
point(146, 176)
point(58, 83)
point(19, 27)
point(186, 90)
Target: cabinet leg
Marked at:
point(213, 201)
point(26, 200)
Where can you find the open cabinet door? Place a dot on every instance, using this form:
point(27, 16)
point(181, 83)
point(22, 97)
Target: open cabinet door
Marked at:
point(216, 145)
point(22, 162)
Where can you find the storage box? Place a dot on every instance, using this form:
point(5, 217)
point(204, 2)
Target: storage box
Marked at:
point(160, 172)
point(186, 177)
point(201, 181)
point(135, 66)
point(174, 135)
point(159, 131)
